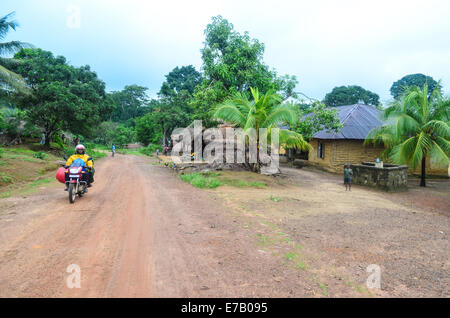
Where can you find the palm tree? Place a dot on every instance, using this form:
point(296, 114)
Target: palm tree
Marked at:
point(418, 127)
point(264, 111)
point(7, 77)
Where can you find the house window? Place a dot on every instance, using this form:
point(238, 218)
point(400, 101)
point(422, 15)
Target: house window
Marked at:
point(320, 150)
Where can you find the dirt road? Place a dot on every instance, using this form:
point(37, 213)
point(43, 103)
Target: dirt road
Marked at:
point(139, 232)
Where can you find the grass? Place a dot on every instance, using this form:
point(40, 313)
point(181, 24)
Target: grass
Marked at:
point(5, 178)
point(201, 180)
point(274, 198)
point(211, 180)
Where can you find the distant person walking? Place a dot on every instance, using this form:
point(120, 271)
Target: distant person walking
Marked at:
point(42, 139)
point(157, 152)
point(348, 172)
point(113, 149)
point(166, 149)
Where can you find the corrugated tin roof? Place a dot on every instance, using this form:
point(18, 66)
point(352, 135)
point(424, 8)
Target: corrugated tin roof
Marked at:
point(358, 120)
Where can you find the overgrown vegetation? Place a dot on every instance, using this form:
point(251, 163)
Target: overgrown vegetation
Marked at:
point(211, 180)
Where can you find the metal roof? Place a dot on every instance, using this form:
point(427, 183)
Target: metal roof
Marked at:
point(358, 121)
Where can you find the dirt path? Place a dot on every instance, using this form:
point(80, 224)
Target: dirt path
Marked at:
point(139, 232)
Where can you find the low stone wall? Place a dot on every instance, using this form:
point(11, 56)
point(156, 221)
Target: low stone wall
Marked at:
point(389, 178)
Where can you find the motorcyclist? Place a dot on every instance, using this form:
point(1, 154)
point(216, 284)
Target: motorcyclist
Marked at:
point(81, 154)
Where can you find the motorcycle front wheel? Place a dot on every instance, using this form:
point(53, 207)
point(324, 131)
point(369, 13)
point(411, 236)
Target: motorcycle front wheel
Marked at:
point(72, 193)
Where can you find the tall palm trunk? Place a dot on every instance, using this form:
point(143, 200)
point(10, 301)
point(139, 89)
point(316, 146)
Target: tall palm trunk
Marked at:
point(422, 175)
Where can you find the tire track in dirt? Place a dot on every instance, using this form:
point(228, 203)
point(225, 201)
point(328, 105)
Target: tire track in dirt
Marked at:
point(139, 232)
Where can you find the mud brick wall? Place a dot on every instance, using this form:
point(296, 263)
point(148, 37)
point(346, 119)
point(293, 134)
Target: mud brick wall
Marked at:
point(388, 178)
point(339, 152)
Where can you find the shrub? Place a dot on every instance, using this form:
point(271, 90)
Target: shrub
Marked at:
point(40, 155)
point(150, 149)
point(201, 181)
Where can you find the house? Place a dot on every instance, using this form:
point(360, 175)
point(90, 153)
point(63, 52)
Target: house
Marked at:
point(334, 149)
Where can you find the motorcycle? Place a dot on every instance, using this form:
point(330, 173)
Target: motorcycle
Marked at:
point(75, 179)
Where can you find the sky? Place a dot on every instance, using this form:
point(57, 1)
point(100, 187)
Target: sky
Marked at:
point(323, 43)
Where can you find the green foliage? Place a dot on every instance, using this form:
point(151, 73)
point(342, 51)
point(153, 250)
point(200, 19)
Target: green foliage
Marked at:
point(199, 180)
point(233, 63)
point(150, 149)
point(124, 135)
point(399, 87)
point(148, 129)
point(316, 118)
point(40, 155)
point(129, 103)
point(349, 95)
point(263, 111)
point(105, 132)
point(63, 97)
point(274, 198)
point(179, 80)
point(5, 178)
point(419, 127)
point(9, 79)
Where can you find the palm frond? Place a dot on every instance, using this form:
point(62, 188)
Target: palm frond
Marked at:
point(13, 80)
point(6, 25)
point(13, 46)
point(423, 146)
point(282, 114)
point(439, 154)
point(438, 127)
point(292, 139)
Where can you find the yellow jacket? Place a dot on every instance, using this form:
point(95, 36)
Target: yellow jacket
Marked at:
point(86, 158)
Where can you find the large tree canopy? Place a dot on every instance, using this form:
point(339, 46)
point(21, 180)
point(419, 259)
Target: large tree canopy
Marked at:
point(232, 63)
point(172, 109)
point(128, 103)
point(349, 95)
point(62, 96)
point(180, 79)
point(399, 87)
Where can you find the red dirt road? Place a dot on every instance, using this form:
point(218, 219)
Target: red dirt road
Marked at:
point(139, 232)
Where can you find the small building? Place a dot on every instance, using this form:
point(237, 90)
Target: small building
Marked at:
point(334, 149)
point(331, 150)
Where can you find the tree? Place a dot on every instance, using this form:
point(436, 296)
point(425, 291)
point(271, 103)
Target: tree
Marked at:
point(148, 130)
point(233, 63)
point(315, 118)
point(124, 135)
point(129, 103)
point(349, 95)
point(62, 96)
point(105, 133)
point(419, 80)
point(179, 80)
point(8, 78)
point(420, 128)
point(264, 111)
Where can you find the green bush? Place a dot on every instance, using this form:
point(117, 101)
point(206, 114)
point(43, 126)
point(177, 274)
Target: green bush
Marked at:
point(40, 155)
point(150, 149)
point(2, 152)
point(201, 181)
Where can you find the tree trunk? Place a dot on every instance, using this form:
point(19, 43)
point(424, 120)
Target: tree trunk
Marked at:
point(422, 175)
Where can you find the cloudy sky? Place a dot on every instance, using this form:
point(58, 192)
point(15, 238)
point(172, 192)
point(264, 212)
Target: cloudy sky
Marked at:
point(324, 43)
